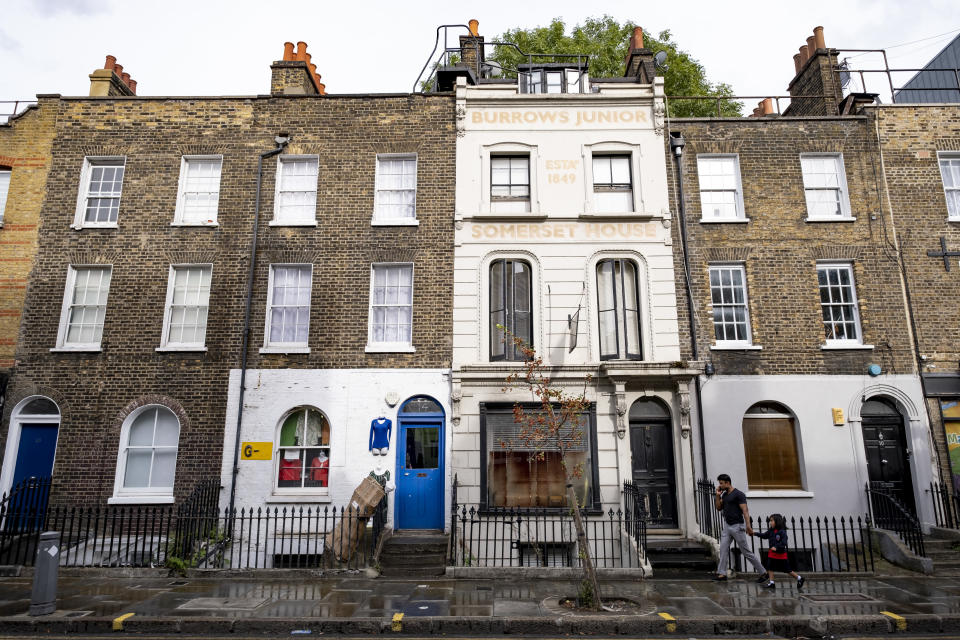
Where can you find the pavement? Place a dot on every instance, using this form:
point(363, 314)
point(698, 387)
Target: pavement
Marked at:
point(303, 603)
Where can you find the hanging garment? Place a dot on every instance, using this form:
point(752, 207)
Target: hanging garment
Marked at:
point(380, 429)
point(381, 479)
point(290, 470)
point(320, 471)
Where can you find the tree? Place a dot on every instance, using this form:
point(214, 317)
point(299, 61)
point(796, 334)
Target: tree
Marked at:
point(555, 426)
point(606, 41)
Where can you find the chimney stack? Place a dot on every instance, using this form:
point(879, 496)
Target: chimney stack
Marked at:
point(639, 61)
point(471, 48)
point(111, 80)
point(295, 74)
point(815, 89)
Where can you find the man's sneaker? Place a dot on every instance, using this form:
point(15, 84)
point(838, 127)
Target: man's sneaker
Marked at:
point(719, 578)
point(770, 585)
point(762, 578)
point(800, 582)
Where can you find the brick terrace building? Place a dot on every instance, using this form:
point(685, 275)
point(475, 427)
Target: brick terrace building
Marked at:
point(812, 389)
point(134, 317)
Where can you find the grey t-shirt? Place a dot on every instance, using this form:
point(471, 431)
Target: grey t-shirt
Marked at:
point(731, 506)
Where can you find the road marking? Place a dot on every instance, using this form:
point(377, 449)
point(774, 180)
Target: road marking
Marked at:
point(900, 620)
point(671, 621)
point(397, 624)
point(118, 622)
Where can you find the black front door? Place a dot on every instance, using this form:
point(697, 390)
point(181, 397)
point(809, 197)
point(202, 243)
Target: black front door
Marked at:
point(651, 450)
point(888, 459)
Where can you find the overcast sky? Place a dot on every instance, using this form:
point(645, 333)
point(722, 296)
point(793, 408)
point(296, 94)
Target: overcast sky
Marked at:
point(200, 47)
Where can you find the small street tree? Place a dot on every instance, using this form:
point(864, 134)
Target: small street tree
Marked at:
point(554, 427)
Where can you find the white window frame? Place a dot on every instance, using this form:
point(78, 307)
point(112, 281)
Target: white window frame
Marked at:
point(5, 177)
point(83, 194)
point(612, 148)
point(950, 157)
point(842, 189)
point(285, 347)
point(141, 495)
point(731, 344)
point(389, 347)
point(71, 281)
point(382, 220)
point(165, 344)
point(739, 214)
point(300, 491)
point(854, 301)
point(178, 218)
point(609, 187)
point(278, 220)
point(486, 177)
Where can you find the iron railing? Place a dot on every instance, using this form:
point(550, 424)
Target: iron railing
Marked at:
point(19, 508)
point(887, 512)
point(499, 537)
point(946, 506)
point(636, 513)
point(11, 108)
point(822, 543)
point(202, 536)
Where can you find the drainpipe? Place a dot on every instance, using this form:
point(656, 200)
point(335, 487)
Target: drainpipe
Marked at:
point(282, 140)
point(676, 145)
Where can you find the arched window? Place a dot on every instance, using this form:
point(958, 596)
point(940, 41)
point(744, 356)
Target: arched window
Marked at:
point(619, 303)
point(770, 447)
point(148, 452)
point(303, 454)
point(511, 303)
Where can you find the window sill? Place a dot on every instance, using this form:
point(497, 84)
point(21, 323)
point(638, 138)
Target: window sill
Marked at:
point(285, 350)
point(297, 498)
point(194, 224)
point(78, 227)
point(96, 349)
point(618, 215)
point(390, 348)
point(837, 219)
point(851, 346)
point(779, 493)
point(394, 222)
point(274, 223)
point(498, 215)
point(735, 347)
point(140, 500)
point(173, 349)
point(724, 220)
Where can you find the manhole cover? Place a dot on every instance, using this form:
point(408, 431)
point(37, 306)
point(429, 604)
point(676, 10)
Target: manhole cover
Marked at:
point(839, 597)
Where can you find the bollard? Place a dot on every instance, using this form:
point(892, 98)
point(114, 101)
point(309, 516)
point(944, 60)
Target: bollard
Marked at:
point(43, 601)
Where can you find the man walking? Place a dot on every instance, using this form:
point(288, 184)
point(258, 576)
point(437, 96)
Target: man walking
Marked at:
point(736, 526)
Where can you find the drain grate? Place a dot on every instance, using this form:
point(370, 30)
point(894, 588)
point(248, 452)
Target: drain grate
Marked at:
point(177, 583)
point(839, 597)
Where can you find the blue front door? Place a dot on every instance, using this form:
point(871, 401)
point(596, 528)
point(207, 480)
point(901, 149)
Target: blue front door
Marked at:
point(420, 474)
point(38, 444)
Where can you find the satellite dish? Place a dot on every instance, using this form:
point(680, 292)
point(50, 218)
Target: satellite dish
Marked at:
point(491, 70)
point(660, 60)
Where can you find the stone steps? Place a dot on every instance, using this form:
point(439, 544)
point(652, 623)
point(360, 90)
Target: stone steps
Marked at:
point(414, 554)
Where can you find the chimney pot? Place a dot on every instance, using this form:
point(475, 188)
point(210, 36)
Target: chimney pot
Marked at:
point(133, 86)
point(636, 41)
point(818, 38)
point(811, 46)
point(766, 107)
point(301, 50)
point(796, 63)
point(126, 78)
point(804, 55)
point(118, 69)
point(306, 58)
point(322, 87)
point(474, 25)
point(111, 60)
point(288, 51)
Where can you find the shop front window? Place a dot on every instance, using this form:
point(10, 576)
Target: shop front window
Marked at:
point(303, 455)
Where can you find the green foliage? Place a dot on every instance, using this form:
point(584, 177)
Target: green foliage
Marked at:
point(606, 41)
point(585, 595)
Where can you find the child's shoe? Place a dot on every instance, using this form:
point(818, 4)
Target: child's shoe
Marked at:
point(770, 585)
point(800, 582)
point(762, 578)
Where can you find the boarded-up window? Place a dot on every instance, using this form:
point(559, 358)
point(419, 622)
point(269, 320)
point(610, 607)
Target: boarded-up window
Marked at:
point(770, 448)
point(524, 470)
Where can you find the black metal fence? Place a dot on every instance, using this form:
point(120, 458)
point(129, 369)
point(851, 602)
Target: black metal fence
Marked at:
point(195, 534)
point(946, 506)
point(887, 512)
point(544, 537)
point(825, 543)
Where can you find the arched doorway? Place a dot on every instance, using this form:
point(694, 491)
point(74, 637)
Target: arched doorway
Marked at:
point(420, 465)
point(651, 455)
point(885, 444)
point(37, 422)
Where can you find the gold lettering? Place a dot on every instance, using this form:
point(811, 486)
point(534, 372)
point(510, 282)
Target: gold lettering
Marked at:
point(604, 116)
point(651, 230)
point(516, 118)
point(608, 230)
point(548, 116)
point(476, 231)
point(507, 230)
point(490, 231)
point(477, 117)
point(564, 117)
point(626, 116)
point(558, 231)
point(530, 116)
point(504, 117)
point(523, 230)
point(535, 231)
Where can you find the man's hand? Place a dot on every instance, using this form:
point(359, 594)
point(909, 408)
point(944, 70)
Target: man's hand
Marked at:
point(749, 529)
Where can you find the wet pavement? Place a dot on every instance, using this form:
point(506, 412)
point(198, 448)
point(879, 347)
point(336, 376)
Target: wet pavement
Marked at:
point(352, 597)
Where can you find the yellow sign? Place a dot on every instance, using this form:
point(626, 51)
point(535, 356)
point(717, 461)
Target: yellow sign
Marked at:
point(837, 417)
point(256, 451)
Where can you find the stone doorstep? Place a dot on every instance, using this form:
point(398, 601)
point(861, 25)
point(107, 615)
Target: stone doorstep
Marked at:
point(544, 625)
